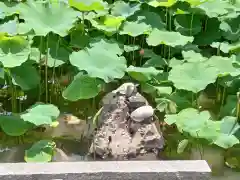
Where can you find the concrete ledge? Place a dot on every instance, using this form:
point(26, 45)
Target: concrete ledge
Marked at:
point(110, 170)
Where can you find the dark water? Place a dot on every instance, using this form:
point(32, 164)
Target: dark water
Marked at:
point(229, 174)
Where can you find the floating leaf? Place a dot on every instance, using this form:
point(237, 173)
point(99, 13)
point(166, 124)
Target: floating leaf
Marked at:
point(44, 18)
point(157, 37)
point(141, 73)
point(82, 87)
point(41, 114)
point(99, 63)
point(41, 151)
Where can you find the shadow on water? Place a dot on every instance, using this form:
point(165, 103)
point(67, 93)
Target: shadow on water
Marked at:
point(229, 174)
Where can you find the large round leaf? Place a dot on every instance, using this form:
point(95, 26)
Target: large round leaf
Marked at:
point(107, 45)
point(99, 63)
point(142, 73)
point(157, 37)
point(9, 28)
point(13, 51)
point(188, 24)
point(82, 87)
point(88, 5)
point(150, 18)
point(193, 76)
point(43, 18)
point(25, 76)
point(120, 8)
point(13, 125)
point(135, 28)
point(41, 151)
point(156, 3)
point(40, 114)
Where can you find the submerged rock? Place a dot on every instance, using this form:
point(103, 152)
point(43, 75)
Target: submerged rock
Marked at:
point(120, 137)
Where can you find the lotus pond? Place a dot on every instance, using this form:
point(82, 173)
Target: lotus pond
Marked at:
point(63, 56)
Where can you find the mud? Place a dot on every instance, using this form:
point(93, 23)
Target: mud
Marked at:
point(120, 138)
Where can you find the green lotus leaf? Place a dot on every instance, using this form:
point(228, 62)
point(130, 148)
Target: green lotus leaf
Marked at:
point(192, 56)
point(108, 23)
point(224, 65)
point(88, 5)
point(120, 8)
point(150, 18)
point(229, 109)
point(182, 146)
point(41, 151)
point(188, 24)
point(111, 46)
point(215, 8)
point(155, 61)
point(211, 33)
point(2, 75)
point(157, 37)
point(135, 28)
point(230, 29)
point(41, 114)
point(82, 87)
point(43, 18)
point(6, 9)
point(9, 28)
point(13, 51)
point(164, 3)
point(13, 125)
point(226, 141)
point(25, 76)
point(193, 76)
point(99, 63)
point(194, 3)
point(226, 47)
point(142, 73)
point(79, 39)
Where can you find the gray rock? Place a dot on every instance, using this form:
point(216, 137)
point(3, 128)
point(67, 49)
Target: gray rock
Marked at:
point(111, 170)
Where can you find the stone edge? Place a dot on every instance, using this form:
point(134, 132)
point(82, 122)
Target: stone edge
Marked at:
point(118, 167)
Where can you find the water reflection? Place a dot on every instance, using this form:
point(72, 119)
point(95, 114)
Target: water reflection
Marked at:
point(229, 174)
